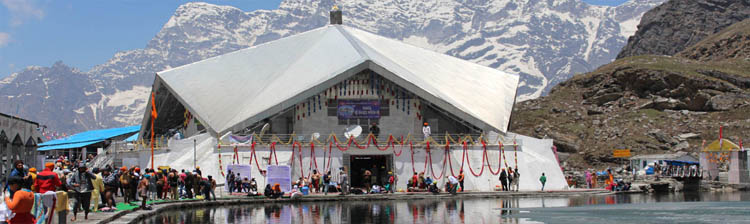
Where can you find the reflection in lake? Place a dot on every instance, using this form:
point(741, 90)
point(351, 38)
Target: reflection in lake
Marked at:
point(485, 210)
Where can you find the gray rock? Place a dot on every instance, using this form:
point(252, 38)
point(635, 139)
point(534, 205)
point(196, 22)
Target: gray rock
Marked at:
point(662, 137)
point(682, 146)
point(606, 98)
point(678, 24)
point(687, 136)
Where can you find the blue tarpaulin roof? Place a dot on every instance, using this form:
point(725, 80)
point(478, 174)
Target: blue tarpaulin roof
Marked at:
point(87, 138)
point(132, 138)
point(679, 162)
point(68, 146)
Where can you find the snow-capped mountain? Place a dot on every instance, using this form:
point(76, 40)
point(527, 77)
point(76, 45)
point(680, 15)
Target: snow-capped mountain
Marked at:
point(545, 41)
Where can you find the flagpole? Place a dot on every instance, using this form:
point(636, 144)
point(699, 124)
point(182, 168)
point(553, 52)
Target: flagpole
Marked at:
point(153, 120)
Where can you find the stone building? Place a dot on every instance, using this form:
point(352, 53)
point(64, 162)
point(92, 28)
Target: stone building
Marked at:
point(18, 140)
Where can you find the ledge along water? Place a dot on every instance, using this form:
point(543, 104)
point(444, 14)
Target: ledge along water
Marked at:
point(521, 207)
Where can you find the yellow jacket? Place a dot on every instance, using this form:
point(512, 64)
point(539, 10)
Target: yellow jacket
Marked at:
point(33, 180)
point(98, 183)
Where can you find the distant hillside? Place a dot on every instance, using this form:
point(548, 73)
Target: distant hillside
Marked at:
point(731, 43)
point(649, 104)
point(678, 24)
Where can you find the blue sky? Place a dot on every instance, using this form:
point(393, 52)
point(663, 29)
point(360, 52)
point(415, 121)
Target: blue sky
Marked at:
point(84, 33)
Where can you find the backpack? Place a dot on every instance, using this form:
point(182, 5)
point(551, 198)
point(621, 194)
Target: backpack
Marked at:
point(124, 179)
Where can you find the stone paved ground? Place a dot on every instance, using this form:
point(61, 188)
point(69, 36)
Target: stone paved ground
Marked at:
point(224, 199)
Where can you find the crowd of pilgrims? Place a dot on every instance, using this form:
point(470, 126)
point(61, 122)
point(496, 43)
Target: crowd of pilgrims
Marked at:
point(95, 189)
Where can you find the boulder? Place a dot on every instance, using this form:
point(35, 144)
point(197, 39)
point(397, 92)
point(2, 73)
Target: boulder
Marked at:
point(660, 136)
point(662, 103)
point(727, 101)
point(687, 136)
point(605, 98)
point(565, 142)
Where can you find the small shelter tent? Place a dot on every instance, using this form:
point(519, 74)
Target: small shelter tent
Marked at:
point(721, 145)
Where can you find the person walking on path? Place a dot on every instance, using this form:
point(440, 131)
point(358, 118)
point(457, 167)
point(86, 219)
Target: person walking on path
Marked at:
point(504, 180)
point(543, 180)
point(81, 185)
point(98, 184)
point(111, 181)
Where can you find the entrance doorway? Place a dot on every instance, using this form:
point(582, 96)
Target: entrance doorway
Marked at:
point(378, 165)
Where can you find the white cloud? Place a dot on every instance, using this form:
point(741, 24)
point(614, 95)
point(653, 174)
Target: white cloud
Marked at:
point(22, 10)
point(4, 39)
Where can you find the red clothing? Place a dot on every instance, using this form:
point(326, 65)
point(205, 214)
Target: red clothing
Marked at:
point(47, 181)
point(414, 180)
point(22, 202)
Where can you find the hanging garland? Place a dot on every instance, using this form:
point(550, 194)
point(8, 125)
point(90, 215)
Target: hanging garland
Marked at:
point(236, 156)
point(391, 142)
point(255, 157)
point(220, 168)
point(515, 153)
point(485, 156)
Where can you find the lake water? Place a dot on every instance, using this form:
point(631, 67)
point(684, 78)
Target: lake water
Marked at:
point(707, 207)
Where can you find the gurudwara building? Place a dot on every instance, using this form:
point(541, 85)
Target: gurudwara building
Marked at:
point(309, 101)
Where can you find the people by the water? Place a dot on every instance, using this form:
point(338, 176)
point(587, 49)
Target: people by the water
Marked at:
point(453, 184)
point(343, 181)
point(461, 179)
point(273, 192)
point(504, 180)
point(543, 180)
point(516, 181)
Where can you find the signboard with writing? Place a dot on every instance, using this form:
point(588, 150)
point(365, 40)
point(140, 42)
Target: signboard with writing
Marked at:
point(364, 109)
point(621, 153)
point(240, 171)
point(281, 175)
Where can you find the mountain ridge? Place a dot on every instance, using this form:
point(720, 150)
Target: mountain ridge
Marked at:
point(543, 41)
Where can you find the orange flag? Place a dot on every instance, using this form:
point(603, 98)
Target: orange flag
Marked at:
point(153, 106)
